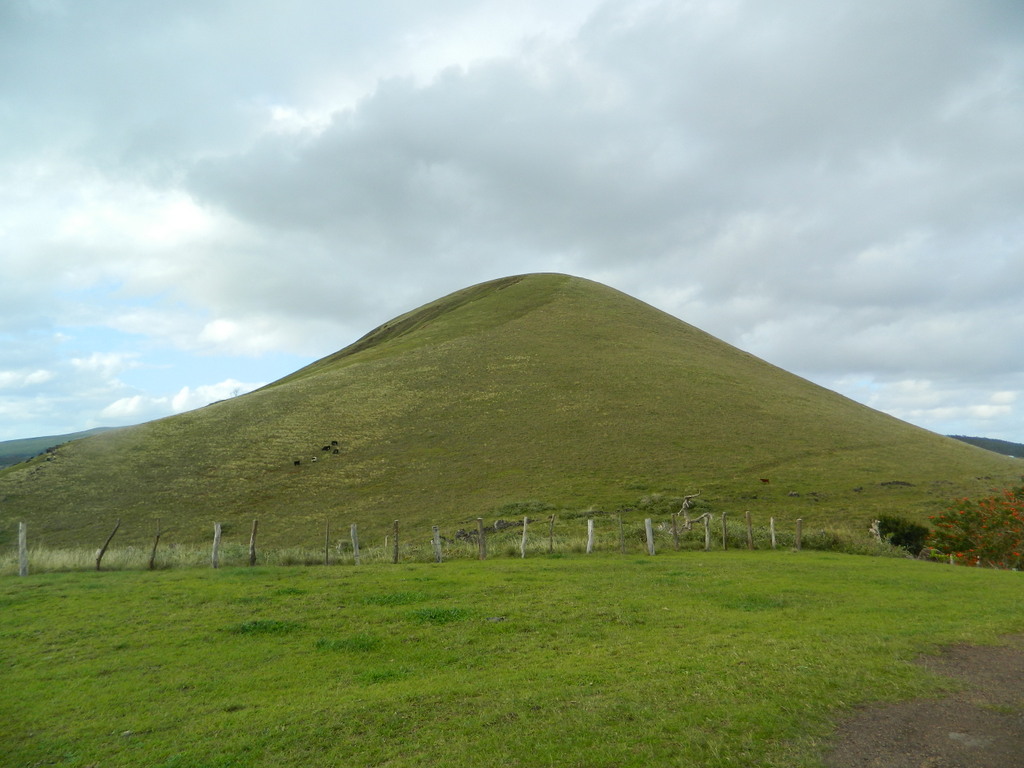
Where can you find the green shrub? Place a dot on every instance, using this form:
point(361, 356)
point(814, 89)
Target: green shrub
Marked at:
point(901, 532)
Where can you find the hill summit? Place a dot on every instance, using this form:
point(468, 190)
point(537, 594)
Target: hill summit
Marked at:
point(543, 388)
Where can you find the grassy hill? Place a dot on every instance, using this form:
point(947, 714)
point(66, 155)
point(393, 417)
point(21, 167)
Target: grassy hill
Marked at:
point(14, 451)
point(540, 388)
point(1004, 447)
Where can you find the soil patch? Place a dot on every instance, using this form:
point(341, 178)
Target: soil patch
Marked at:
point(979, 726)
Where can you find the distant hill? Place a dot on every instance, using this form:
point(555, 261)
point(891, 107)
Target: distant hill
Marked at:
point(525, 395)
point(14, 451)
point(997, 446)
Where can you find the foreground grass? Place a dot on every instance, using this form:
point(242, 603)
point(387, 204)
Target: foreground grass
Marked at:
point(709, 659)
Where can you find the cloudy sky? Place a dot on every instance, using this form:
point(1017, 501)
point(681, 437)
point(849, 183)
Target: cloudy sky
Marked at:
point(200, 196)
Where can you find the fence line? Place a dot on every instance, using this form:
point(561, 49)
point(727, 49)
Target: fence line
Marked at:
point(394, 559)
point(252, 543)
point(103, 550)
point(327, 543)
point(598, 537)
point(22, 549)
point(215, 558)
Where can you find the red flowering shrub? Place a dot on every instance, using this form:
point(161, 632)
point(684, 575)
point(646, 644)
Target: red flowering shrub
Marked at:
point(987, 532)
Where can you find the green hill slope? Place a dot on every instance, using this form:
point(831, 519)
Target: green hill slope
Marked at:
point(538, 387)
point(1004, 447)
point(13, 451)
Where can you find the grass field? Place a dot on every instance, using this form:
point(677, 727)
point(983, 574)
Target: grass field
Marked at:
point(691, 659)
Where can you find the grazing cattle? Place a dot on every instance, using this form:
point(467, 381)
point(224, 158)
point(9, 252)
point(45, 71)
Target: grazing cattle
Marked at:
point(326, 448)
point(335, 451)
point(334, 442)
point(298, 462)
point(765, 480)
point(313, 459)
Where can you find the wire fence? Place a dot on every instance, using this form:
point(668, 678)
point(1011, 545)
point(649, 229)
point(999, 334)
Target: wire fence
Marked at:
point(529, 537)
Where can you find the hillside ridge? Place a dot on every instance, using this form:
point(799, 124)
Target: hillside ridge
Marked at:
point(1005, 447)
point(412, 321)
point(21, 449)
point(544, 391)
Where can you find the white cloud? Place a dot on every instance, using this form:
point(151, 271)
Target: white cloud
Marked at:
point(834, 187)
point(947, 407)
point(104, 364)
point(187, 398)
point(131, 410)
point(133, 217)
point(139, 407)
point(18, 379)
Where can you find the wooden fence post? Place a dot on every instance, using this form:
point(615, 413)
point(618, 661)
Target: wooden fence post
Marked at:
point(771, 528)
point(590, 535)
point(725, 533)
point(327, 541)
point(622, 537)
point(354, 531)
point(394, 555)
point(436, 539)
point(215, 558)
point(799, 532)
point(522, 544)
point(103, 549)
point(252, 543)
point(551, 535)
point(675, 531)
point(22, 549)
point(152, 554)
point(649, 529)
point(707, 531)
point(481, 540)
point(750, 532)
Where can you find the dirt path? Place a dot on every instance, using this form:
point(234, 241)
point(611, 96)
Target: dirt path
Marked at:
point(980, 726)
